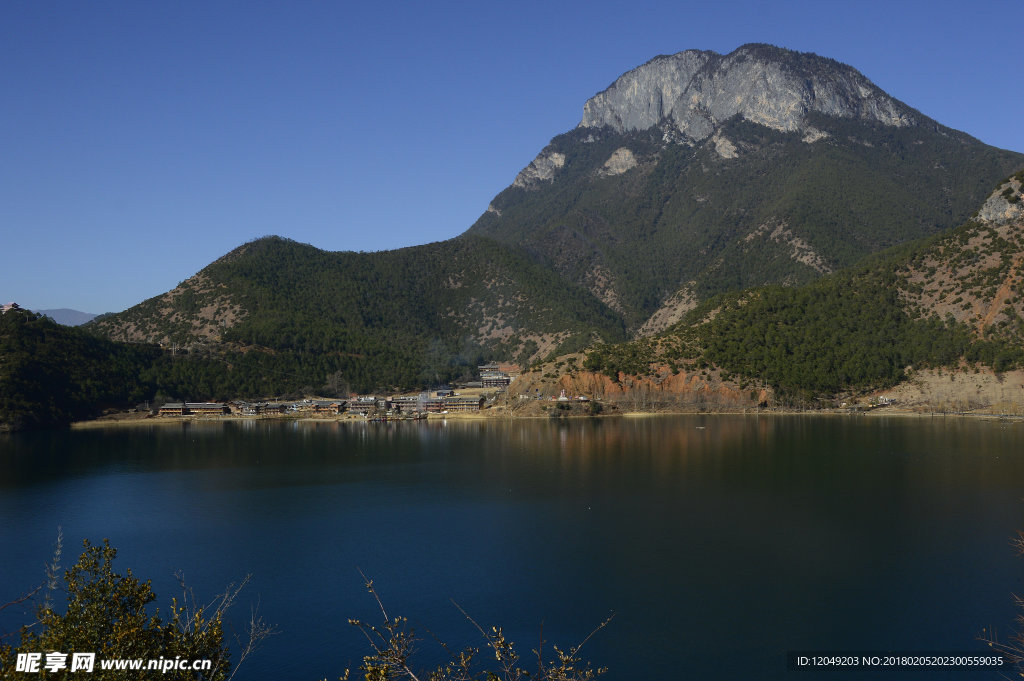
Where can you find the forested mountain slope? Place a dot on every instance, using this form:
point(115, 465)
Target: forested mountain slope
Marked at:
point(693, 175)
point(939, 302)
point(685, 180)
point(393, 318)
point(52, 374)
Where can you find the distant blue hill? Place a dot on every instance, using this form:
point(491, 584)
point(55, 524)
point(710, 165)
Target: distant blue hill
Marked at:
point(68, 317)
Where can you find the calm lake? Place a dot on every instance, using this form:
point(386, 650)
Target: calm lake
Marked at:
point(720, 543)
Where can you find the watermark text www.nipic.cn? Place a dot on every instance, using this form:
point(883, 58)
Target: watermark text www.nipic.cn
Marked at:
point(33, 663)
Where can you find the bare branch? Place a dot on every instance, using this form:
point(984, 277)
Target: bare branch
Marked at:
point(22, 598)
point(369, 587)
point(598, 628)
point(258, 630)
point(466, 615)
point(393, 647)
point(53, 570)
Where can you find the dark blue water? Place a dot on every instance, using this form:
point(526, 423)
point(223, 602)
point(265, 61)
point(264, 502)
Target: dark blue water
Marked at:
point(720, 543)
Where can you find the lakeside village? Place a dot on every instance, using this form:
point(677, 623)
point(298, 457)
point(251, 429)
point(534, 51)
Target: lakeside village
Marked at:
point(473, 396)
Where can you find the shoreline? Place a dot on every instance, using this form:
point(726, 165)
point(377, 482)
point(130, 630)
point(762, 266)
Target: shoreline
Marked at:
point(128, 421)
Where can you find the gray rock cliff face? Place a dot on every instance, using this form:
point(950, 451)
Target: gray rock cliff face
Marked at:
point(542, 168)
point(695, 91)
point(998, 209)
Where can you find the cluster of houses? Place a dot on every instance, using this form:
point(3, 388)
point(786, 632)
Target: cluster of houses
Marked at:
point(497, 375)
point(442, 401)
point(193, 409)
point(436, 402)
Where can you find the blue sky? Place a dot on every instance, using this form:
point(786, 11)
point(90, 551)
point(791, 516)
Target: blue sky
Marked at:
point(142, 140)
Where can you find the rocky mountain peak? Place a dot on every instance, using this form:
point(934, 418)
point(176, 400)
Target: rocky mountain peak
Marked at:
point(695, 91)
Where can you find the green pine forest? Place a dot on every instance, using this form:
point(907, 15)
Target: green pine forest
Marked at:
point(685, 213)
point(845, 333)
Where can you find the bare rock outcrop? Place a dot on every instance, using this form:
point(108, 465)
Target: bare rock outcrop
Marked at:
point(541, 169)
point(1004, 205)
point(696, 91)
point(621, 160)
